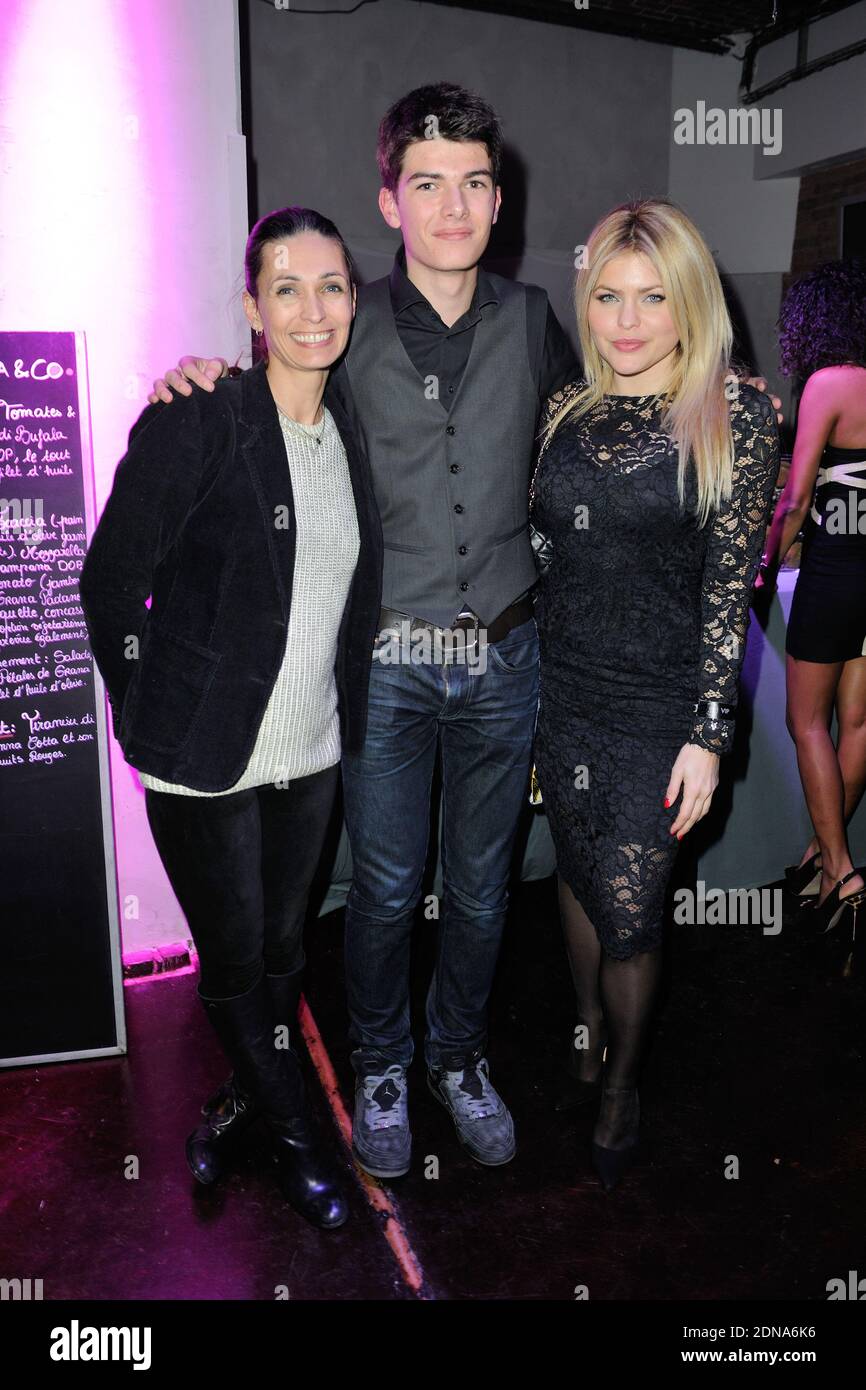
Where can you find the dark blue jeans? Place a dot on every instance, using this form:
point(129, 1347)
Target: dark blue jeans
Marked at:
point(486, 724)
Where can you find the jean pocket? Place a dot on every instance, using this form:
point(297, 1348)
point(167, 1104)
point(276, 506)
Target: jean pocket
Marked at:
point(518, 652)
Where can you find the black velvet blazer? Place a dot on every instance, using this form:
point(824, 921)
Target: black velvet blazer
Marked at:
point(201, 518)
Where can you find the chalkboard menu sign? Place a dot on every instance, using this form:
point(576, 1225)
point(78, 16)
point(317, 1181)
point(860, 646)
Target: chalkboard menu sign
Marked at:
point(60, 968)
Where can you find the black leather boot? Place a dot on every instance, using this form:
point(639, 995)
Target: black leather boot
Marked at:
point(308, 1175)
point(230, 1111)
point(285, 993)
point(227, 1114)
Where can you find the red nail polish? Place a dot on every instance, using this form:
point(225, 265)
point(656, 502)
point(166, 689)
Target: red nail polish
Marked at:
point(680, 836)
point(667, 802)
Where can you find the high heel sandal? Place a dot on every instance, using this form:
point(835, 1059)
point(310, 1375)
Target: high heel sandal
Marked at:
point(799, 878)
point(611, 1165)
point(833, 911)
point(824, 916)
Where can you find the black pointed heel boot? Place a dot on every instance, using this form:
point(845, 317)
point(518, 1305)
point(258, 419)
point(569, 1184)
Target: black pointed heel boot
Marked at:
point(230, 1111)
point(308, 1175)
point(611, 1164)
point(578, 1090)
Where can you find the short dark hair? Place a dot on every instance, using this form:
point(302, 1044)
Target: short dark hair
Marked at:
point(822, 321)
point(280, 226)
point(460, 115)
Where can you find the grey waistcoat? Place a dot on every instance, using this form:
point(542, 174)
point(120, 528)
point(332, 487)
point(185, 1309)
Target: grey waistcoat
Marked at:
point(451, 486)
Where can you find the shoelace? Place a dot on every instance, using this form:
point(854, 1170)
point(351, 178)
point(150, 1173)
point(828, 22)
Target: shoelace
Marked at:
point(478, 1107)
point(234, 1105)
point(384, 1119)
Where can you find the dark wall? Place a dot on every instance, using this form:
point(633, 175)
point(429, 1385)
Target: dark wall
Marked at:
point(586, 119)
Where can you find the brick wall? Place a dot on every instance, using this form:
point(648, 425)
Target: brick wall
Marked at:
point(816, 238)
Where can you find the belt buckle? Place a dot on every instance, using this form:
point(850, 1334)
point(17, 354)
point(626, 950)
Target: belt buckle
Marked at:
point(461, 626)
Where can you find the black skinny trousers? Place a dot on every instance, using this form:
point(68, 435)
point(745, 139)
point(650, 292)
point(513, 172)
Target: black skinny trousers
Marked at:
point(241, 867)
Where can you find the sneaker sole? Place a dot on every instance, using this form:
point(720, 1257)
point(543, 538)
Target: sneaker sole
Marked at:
point(379, 1172)
point(486, 1162)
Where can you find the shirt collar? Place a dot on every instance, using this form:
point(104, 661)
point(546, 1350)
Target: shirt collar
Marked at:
point(404, 293)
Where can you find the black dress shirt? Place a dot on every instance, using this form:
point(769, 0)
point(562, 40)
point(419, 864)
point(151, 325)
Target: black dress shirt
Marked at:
point(436, 350)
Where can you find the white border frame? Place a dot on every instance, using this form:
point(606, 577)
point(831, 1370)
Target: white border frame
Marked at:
point(88, 488)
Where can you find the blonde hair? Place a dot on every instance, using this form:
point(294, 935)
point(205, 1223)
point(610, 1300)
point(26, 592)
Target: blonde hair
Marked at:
point(696, 414)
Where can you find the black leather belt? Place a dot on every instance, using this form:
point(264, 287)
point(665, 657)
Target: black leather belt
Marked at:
point(510, 617)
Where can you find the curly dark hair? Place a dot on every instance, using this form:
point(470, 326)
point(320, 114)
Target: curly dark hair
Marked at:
point(822, 321)
point(460, 115)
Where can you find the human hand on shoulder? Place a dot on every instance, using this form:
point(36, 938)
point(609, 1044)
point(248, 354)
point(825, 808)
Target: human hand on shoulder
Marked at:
point(760, 384)
point(202, 371)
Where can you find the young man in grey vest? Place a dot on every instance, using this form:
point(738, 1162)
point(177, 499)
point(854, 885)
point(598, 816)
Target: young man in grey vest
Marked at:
point(448, 367)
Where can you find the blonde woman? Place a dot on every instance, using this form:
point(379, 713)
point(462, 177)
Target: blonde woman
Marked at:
point(652, 493)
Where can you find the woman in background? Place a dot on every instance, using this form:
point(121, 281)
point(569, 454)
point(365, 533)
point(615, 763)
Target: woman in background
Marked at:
point(652, 496)
point(822, 340)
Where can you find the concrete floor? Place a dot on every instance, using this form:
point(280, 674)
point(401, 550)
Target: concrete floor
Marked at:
point(759, 1053)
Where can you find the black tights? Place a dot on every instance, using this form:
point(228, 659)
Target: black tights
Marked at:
point(614, 1003)
point(241, 867)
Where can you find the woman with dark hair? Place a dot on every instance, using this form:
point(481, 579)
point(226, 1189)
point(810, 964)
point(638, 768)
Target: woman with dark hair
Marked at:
point(246, 515)
point(822, 340)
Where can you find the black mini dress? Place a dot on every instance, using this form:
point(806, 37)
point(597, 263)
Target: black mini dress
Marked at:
point(828, 611)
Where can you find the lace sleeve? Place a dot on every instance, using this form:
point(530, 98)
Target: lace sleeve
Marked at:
point(732, 558)
point(549, 410)
point(542, 545)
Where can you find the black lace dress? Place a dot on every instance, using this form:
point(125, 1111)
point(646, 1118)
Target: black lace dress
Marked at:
point(641, 614)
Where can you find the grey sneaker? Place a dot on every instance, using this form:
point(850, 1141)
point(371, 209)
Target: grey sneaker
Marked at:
point(381, 1140)
point(481, 1117)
